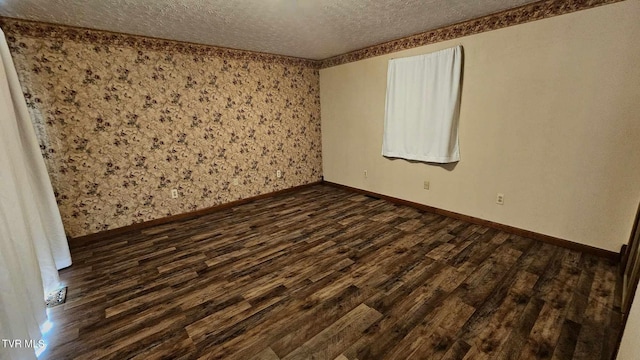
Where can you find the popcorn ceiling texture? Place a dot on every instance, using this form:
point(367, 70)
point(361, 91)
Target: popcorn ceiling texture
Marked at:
point(121, 124)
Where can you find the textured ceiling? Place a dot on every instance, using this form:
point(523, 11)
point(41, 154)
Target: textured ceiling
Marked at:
point(313, 29)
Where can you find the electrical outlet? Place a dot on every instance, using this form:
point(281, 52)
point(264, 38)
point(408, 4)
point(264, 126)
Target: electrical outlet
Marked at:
point(235, 182)
point(174, 193)
point(426, 185)
point(278, 174)
point(500, 199)
point(366, 174)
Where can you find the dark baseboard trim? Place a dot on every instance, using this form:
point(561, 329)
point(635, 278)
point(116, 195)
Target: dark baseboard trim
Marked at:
point(506, 228)
point(91, 238)
point(102, 235)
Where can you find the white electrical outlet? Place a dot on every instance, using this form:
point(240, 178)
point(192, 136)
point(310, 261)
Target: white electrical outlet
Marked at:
point(500, 199)
point(174, 193)
point(278, 174)
point(426, 185)
point(366, 174)
point(235, 182)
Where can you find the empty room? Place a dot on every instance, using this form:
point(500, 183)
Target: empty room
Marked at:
point(298, 179)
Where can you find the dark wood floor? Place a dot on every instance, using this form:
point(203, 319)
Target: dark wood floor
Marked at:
point(324, 273)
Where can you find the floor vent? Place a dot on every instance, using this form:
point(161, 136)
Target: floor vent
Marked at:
point(56, 297)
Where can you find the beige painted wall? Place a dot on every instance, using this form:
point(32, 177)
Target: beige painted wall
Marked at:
point(550, 117)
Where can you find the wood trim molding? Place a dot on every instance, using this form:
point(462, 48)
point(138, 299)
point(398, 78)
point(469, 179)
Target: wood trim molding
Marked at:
point(102, 235)
point(86, 239)
point(611, 255)
point(624, 254)
point(626, 249)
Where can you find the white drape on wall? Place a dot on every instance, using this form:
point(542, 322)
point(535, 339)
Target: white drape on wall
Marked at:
point(422, 107)
point(33, 245)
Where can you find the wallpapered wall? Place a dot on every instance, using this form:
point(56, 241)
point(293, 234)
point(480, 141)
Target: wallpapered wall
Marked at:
point(122, 120)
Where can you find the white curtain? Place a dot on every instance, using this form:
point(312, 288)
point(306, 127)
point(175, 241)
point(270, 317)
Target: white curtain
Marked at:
point(422, 107)
point(33, 245)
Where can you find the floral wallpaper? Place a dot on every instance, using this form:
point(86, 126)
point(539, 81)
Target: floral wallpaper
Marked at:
point(122, 120)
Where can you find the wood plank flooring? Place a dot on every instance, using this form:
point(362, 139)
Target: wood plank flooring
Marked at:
point(324, 273)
